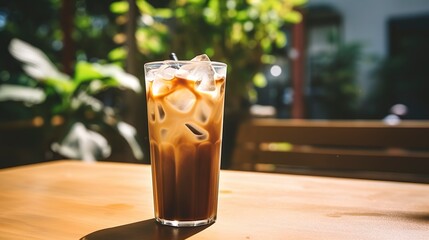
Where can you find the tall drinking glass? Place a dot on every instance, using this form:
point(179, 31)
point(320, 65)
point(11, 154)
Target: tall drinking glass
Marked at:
point(185, 105)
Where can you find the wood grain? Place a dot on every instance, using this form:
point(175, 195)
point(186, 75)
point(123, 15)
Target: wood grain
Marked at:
point(75, 200)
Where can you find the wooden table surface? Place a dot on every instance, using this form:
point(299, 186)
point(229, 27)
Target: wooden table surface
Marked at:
point(76, 200)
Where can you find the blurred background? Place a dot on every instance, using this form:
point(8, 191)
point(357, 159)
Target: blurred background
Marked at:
point(71, 71)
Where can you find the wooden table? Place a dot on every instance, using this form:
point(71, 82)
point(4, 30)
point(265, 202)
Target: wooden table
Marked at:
point(76, 200)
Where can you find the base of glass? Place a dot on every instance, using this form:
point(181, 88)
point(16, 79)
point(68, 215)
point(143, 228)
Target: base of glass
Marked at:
point(176, 223)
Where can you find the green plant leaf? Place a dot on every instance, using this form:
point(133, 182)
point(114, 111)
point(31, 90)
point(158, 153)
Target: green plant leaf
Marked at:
point(145, 7)
point(180, 12)
point(163, 12)
point(298, 2)
point(117, 54)
point(21, 93)
point(82, 143)
point(85, 72)
point(62, 86)
point(119, 7)
point(268, 59)
point(149, 41)
point(195, 1)
point(129, 133)
point(281, 40)
point(293, 17)
point(117, 76)
point(259, 80)
point(36, 64)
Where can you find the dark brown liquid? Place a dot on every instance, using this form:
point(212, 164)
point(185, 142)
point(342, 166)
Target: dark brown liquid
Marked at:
point(185, 141)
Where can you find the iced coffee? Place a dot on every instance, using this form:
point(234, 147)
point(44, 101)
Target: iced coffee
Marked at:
point(185, 101)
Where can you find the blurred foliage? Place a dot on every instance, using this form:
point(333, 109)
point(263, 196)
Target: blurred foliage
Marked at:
point(403, 79)
point(241, 33)
point(38, 22)
point(73, 102)
point(94, 29)
point(90, 97)
point(333, 79)
point(43, 30)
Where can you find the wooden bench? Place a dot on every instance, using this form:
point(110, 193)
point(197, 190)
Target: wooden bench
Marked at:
point(340, 146)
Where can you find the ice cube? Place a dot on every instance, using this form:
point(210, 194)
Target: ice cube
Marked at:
point(220, 73)
point(200, 71)
point(151, 75)
point(199, 58)
point(161, 112)
point(160, 87)
point(206, 84)
point(164, 133)
point(182, 100)
point(151, 110)
point(195, 71)
point(165, 72)
point(203, 111)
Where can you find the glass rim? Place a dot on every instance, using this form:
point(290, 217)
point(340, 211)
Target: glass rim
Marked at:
point(182, 62)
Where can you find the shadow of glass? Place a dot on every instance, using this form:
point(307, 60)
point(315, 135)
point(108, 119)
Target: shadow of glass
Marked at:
point(421, 217)
point(147, 229)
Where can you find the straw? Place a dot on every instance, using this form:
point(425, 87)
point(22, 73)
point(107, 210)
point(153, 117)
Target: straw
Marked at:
point(173, 56)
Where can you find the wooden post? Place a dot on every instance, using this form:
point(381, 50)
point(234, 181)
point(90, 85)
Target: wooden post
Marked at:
point(135, 113)
point(132, 65)
point(297, 60)
point(130, 30)
point(66, 21)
